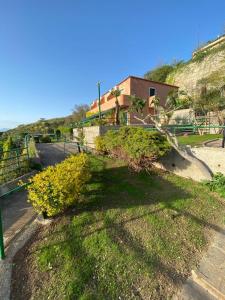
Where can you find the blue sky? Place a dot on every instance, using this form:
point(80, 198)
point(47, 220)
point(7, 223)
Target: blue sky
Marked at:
point(53, 52)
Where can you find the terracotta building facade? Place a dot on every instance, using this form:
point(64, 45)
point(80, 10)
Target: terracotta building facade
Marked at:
point(140, 87)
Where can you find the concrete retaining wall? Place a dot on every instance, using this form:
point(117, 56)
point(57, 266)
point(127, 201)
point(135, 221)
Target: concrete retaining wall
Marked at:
point(91, 133)
point(214, 159)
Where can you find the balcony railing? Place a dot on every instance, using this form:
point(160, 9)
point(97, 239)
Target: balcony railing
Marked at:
point(109, 102)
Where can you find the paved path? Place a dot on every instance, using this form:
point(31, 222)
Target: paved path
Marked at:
point(17, 214)
point(216, 144)
point(16, 211)
point(208, 281)
point(51, 154)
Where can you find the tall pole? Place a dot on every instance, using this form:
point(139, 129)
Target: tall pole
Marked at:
point(99, 99)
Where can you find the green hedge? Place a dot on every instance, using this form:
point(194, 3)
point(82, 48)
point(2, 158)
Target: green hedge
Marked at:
point(140, 148)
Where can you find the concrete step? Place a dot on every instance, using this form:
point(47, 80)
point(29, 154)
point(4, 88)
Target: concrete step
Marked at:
point(204, 283)
point(193, 291)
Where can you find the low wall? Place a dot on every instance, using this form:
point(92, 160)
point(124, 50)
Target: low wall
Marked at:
point(91, 133)
point(213, 158)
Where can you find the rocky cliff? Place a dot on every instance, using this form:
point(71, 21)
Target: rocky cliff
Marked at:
point(205, 68)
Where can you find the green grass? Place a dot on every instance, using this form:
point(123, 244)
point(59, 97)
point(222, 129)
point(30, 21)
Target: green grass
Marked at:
point(196, 140)
point(136, 237)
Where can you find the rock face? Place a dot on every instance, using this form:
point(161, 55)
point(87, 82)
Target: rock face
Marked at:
point(210, 69)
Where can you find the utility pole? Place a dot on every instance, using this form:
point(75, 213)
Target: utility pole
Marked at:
point(99, 99)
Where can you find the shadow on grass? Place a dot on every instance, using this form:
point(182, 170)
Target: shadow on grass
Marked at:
point(117, 189)
point(120, 188)
point(151, 260)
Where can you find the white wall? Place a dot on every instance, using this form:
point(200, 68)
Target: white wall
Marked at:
point(214, 159)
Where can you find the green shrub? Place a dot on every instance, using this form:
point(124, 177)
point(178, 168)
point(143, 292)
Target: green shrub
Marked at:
point(217, 184)
point(46, 139)
point(159, 73)
point(32, 148)
point(140, 148)
point(199, 56)
point(100, 145)
point(59, 187)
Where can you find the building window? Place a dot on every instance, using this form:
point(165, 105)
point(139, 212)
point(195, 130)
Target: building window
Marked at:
point(152, 91)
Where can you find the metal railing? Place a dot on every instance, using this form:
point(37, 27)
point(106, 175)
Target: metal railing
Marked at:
point(13, 163)
point(176, 129)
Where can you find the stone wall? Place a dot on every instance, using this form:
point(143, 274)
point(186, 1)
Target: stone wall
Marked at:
point(211, 68)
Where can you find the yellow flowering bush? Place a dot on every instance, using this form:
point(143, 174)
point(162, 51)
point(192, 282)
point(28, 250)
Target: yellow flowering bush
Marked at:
point(100, 145)
point(58, 187)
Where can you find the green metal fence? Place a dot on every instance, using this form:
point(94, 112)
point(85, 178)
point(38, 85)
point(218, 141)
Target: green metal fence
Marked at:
point(178, 129)
point(13, 163)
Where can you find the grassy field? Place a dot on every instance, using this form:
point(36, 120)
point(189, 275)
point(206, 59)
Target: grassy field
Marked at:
point(137, 236)
point(195, 140)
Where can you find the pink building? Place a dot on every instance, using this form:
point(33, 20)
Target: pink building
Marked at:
point(140, 87)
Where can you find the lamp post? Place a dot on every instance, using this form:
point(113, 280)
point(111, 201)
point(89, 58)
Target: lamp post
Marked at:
point(99, 99)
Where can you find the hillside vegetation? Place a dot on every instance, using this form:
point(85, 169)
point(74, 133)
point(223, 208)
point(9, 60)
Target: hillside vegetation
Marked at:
point(49, 126)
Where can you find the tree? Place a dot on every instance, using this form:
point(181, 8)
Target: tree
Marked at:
point(58, 134)
point(137, 104)
point(79, 112)
point(116, 93)
point(174, 103)
point(211, 100)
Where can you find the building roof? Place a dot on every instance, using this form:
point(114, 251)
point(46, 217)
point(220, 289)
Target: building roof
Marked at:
point(140, 78)
point(158, 82)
